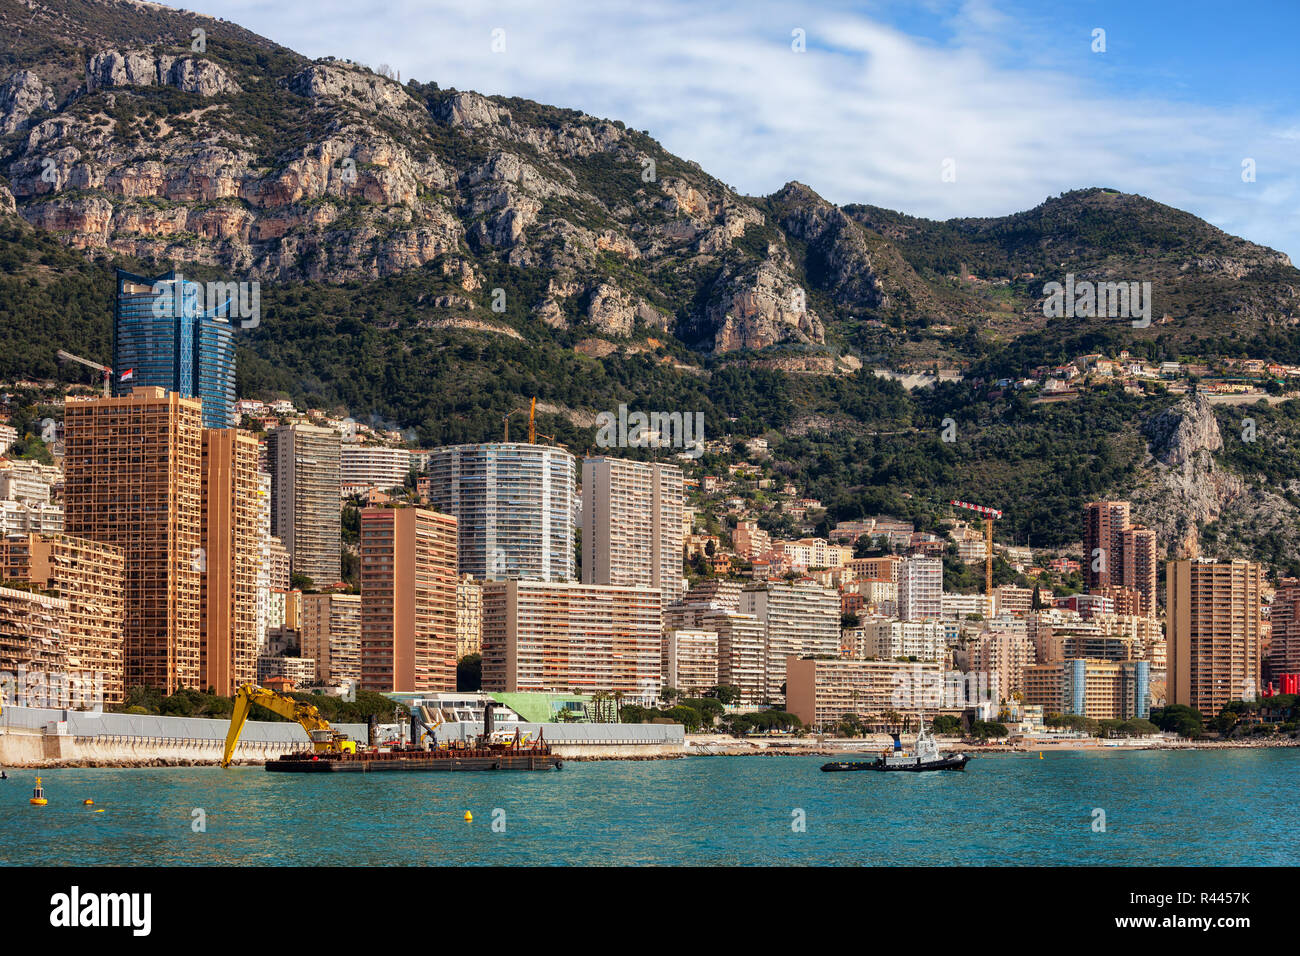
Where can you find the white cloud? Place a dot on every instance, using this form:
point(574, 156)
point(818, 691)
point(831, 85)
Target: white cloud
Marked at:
point(867, 114)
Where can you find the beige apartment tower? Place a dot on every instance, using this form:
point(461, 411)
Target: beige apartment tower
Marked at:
point(134, 480)
point(231, 559)
point(1213, 632)
point(469, 616)
point(632, 525)
point(555, 637)
point(306, 510)
point(408, 600)
point(330, 632)
point(90, 577)
point(798, 620)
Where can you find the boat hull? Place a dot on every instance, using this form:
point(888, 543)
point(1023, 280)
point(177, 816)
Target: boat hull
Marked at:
point(431, 761)
point(956, 762)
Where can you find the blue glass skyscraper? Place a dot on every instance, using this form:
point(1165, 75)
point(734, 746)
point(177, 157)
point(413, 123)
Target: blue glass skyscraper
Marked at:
point(163, 336)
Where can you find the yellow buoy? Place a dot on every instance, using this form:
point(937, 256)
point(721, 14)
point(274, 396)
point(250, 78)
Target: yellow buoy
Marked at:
point(88, 803)
point(1040, 755)
point(469, 817)
point(99, 811)
point(38, 795)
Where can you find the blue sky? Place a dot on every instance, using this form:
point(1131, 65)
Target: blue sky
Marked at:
point(1009, 94)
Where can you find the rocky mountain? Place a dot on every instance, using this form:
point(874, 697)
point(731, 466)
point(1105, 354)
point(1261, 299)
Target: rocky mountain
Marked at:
point(434, 256)
point(1182, 487)
point(162, 135)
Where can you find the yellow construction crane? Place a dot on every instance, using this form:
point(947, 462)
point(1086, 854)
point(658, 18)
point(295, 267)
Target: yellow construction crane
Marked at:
point(108, 372)
point(989, 514)
point(323, 737)
point(532, 425)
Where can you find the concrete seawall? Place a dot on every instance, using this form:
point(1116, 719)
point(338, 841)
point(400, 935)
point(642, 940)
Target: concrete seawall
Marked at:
point(35, 750)
point(20, 748)
point(34, 737)
point(43, 737)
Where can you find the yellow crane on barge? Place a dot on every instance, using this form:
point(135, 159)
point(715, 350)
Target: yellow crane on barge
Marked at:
point(323, 737)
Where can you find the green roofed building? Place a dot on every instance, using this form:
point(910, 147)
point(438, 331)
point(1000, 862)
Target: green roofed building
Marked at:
point(545, 708)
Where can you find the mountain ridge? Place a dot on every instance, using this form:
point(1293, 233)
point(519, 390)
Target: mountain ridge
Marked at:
point(434, 257)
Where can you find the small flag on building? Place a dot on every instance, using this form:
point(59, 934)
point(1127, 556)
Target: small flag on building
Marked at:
point(129, 373)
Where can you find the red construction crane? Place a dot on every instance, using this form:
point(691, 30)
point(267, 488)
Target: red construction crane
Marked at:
point(989, 514)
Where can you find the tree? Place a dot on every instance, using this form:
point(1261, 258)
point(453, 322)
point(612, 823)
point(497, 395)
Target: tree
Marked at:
point(688, 717)
point(1179, 719)
point(726, 693)
point(709, 708)
point(946, 724)
point(1226, 722)
point(984, 729)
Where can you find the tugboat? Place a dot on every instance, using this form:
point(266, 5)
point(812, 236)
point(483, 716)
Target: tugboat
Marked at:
point(924, 756)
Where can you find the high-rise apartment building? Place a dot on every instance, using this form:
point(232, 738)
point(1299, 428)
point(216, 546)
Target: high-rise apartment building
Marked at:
point(90, 576)
point(920, 589)
point(742, 652)
point(690, 660)
point(1102, 545)
point(561, 637)
point(263, 550)
point(632, 524)
point(1106, 690)
point(375, 465)
point(1003, 656)
point(1213, 632)
point(798, 619)
point(1118, 553)
point(330, 631)
point(231, 559)
point(306, 512)
point(1284, 648)
point(33, 637)
point(824, 692)
point(469, 616)
point(279, 575)
point(514, 506)
point(133, 479)
point(1138, 569)
point(887, 639)
point(163, 337)
point(408, 600)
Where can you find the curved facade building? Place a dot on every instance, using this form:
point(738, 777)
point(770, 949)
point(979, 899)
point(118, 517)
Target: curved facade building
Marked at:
point(514, 504)
point(162, 336)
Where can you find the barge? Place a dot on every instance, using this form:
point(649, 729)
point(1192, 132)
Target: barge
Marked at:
point(332, 751)
point(414, 759)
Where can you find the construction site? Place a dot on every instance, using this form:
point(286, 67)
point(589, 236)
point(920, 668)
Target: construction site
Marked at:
point(447, 732)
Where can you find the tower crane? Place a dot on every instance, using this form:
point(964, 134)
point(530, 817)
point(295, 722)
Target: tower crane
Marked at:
point(65, 356)
point(989, 514)
point(532, 424)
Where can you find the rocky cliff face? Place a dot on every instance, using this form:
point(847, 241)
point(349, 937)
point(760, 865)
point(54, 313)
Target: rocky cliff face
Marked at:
point(1183, 487)
point(22, 95)
point(113, 68)
point(116, 136)
point(385, 179)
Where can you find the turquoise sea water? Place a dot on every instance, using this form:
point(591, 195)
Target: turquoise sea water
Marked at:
point(1190, 808)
